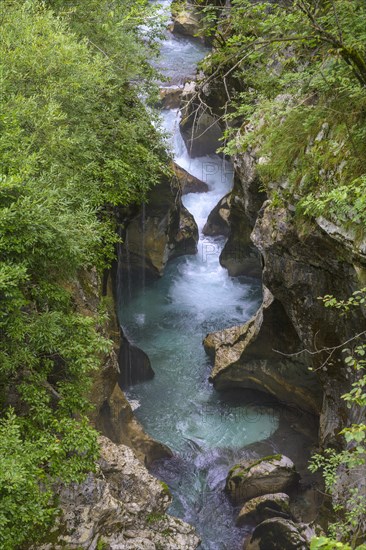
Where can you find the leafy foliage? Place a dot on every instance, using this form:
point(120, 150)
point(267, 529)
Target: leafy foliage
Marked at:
point(344, 471)
point(75, 143)
point(295, 77)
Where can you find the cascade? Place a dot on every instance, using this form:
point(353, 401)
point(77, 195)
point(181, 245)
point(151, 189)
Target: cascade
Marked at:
point(168, 319)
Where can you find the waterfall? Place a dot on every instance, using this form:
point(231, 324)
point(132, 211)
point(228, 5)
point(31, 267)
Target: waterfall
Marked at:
point(168, 320)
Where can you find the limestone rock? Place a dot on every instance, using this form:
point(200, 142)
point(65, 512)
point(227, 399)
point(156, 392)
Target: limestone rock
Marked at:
point(187, 236)
point(301, 264)
point(161, 230)
point(186, 19)
point(199, 126)
point(280, 534)
point(264, 507)
point(170, 97)
point(113, 416)
point(121, 506)
point(239, 255)
point(251, 479)
point(187, 182)
point(217, 221)
point(247, 356)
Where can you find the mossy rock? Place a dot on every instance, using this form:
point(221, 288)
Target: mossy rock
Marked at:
point(267, 475)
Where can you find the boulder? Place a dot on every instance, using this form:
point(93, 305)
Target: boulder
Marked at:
point(187, 182)
point(264, 507)
point(199, 126)
point(170, 97)
point(186, 19)
point(280, 534)
point(162, 229)
point(217, 221)
point(254, 478)
point(120, 506)
point(261, 355)
point(134, 364)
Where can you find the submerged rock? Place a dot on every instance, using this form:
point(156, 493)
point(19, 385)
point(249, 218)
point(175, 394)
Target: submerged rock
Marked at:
point(187, 182)
point(120, 506)
point(264, 507)
point(251, 479)
point(280, 534)
point(248, 356)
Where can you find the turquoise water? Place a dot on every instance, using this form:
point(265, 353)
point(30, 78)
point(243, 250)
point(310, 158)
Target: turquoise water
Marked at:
point(207, 431)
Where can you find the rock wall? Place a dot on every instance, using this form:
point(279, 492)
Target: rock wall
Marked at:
point(120, 506)
point(302, 261)
point(159, 231)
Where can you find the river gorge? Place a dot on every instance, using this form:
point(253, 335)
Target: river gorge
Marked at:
point(169, 318)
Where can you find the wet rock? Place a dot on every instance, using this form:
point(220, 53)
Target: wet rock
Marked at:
point(161, 230)
point(186, 19)
point(280, 534)
point(239, 255)
point(113, 417)
point(134, 364)
point(199, 125)
point(249, 356)
point(187, 236)
point(302, 263)
point(251, 479)
point(170, 97)
point(121, 506)
point(264, 507)
point(217, 221)
point(187, 182)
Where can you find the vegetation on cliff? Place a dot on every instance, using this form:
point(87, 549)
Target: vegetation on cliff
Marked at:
point(294, 75)
point(291, 81)
point(75, 144)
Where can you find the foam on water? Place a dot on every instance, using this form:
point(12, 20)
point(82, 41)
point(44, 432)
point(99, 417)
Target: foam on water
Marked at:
point(207, 431)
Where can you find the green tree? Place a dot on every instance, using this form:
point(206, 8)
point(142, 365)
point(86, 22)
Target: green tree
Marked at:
point(75, 144)
point(344, 471)
point(294, 82)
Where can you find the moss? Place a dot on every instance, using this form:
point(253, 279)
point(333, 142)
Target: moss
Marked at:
point(155, 517)
point(239, 470)
point(165, 488)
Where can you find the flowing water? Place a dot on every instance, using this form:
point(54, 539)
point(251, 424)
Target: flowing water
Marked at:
point(208, 432)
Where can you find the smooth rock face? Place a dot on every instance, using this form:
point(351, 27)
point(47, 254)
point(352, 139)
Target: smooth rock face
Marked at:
point(247, 356)
point(302, 264)
point(239, 255)
point(122, 506)
point(161, 230)
point(170, 97)
point(113, 417)
point(280, 534)
point(217, 221)
point(187, 182)
point(265, 507)
point(251, 479)
point(186, 19)
point(134, 364)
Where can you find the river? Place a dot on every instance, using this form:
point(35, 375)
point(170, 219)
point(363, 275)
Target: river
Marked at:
point(207, 431)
